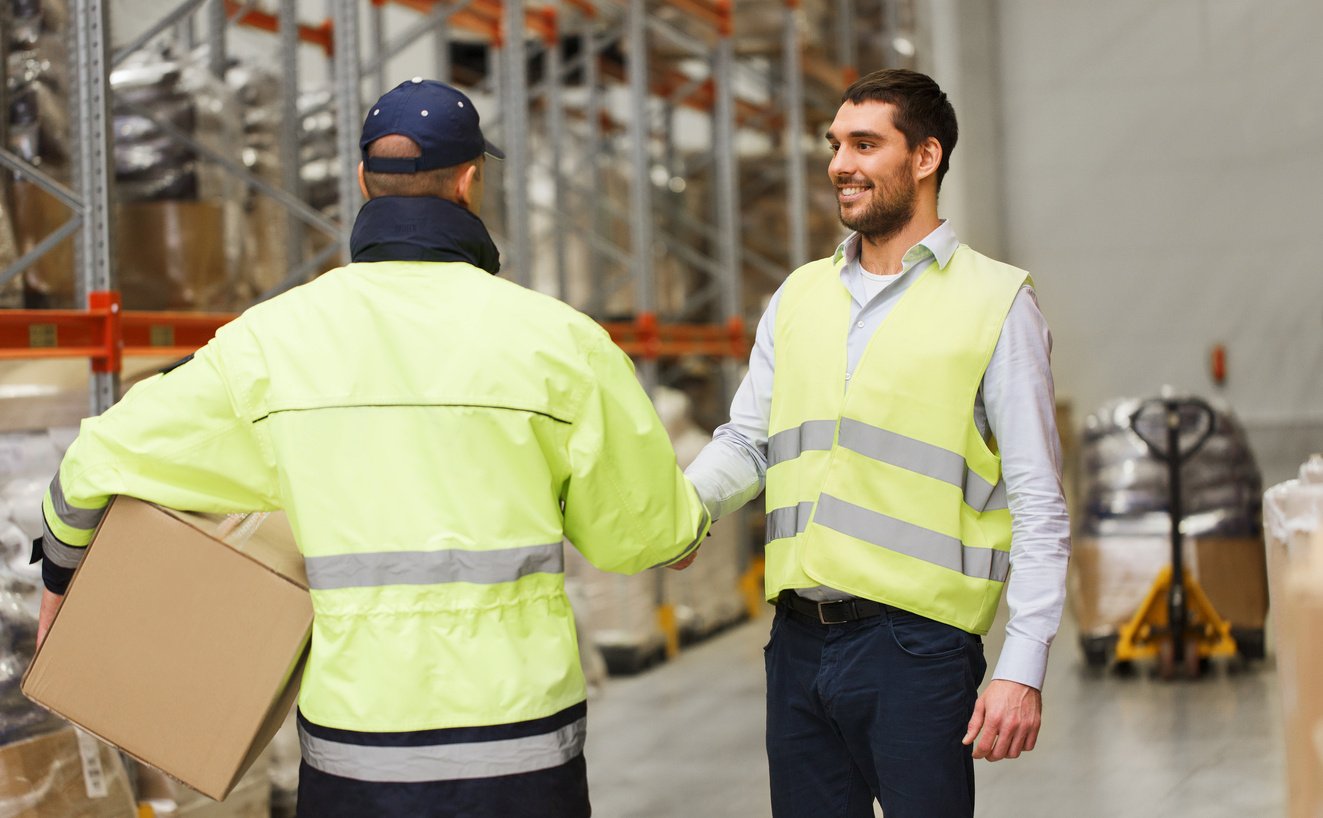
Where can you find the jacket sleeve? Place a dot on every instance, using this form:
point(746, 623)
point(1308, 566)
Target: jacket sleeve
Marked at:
point(628, 507)
point(176, 439)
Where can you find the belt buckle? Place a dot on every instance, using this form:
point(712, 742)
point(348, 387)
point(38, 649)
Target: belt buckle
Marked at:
point(851, 615)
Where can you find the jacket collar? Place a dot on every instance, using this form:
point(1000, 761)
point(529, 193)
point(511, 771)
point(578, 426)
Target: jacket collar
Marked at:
point(421, 228)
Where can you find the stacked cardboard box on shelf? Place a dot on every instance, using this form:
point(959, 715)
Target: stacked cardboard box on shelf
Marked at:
point(63, 774)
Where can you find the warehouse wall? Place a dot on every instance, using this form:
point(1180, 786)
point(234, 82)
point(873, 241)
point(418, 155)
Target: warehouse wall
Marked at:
point(1163, 180)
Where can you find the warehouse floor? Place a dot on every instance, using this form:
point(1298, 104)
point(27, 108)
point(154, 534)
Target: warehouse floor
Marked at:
point(684, 740)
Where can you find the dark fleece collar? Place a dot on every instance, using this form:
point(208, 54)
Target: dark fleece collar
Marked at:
point(421, 228)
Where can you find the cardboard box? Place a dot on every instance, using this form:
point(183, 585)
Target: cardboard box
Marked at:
point(1233, 572)
point(180, 649)
point(63, 775)
point(1296, 564)
point(1110, 577)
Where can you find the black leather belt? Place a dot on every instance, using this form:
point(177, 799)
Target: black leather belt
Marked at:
point(830, 613)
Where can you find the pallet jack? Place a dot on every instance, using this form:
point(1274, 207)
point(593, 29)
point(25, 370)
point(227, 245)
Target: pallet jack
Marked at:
point(1186, 630)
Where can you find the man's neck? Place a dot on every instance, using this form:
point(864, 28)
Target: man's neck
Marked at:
point(886, 257)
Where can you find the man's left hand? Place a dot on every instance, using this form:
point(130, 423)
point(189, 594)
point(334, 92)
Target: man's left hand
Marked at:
point(1008, 714)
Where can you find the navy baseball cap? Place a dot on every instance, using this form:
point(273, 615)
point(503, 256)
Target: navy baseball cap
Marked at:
point(439, 118)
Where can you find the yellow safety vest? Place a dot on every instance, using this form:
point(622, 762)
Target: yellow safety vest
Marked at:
point(888, 491)
point(434, 433)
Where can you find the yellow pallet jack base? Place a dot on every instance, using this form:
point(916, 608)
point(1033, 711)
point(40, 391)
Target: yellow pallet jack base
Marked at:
point(1147, 635)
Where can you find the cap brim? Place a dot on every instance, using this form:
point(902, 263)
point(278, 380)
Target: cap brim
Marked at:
point(491, 150)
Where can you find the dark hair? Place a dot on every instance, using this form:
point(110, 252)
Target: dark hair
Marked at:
point(437, 182)
point(922, 109)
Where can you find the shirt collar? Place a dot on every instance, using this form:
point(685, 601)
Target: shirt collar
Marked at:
point(941, 243)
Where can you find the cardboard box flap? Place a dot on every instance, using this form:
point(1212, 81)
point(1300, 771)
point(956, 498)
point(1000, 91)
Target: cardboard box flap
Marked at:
point(266, 538)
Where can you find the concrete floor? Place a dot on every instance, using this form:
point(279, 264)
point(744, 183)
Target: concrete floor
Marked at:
point(685, 740)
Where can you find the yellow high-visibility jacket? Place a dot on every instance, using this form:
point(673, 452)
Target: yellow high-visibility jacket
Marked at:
point(888, 491)
point(433, 432)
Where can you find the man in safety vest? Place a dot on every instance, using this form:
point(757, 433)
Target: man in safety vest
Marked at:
point(433, 432)
point(899, 409)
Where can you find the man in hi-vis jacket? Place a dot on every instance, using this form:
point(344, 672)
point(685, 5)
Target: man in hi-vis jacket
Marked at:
point(434, 432)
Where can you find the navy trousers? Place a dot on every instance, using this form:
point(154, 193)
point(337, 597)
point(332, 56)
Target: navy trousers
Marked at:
point(873, 708)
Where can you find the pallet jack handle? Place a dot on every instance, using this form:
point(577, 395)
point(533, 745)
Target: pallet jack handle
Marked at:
point(1173, 455)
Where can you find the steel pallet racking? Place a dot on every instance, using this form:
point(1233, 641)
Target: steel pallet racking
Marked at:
point(561, 128)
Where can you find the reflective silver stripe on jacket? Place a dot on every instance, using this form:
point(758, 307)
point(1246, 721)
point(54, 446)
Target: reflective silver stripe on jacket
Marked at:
point(433, 567)
point(788, 521)
point(65, 556)
point(444, 762)
point(912, 540)
point(83, 519)
point(895, 449)
point(811, 435)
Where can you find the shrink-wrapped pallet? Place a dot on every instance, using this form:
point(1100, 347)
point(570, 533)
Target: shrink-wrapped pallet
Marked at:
point(37, 131)
point(1293, 527)
point(177, 230)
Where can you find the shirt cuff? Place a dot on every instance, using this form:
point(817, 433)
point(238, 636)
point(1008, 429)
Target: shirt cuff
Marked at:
point(1022, 660)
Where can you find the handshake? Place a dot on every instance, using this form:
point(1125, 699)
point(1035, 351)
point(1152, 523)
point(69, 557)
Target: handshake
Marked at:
point(684, 563)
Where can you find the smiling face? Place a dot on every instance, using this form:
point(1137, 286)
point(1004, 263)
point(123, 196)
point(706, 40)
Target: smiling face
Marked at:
point(873, 170)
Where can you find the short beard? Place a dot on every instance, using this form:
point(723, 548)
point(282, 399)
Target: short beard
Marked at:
point(891, 208)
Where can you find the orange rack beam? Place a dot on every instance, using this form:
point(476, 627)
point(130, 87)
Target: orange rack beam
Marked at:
point(321, 36)
point(104, 333)
point(645, 337)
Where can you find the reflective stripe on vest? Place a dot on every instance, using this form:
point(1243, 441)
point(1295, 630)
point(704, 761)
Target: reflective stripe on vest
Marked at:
point(912, 540)
point(433, 567)
point(788, 521)
point(444, 762)
point(811, 435)
point(892, 448)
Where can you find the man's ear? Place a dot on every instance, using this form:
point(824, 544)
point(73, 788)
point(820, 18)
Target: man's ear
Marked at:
point(362, 182)
point(464, 186)
point(927, 158)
